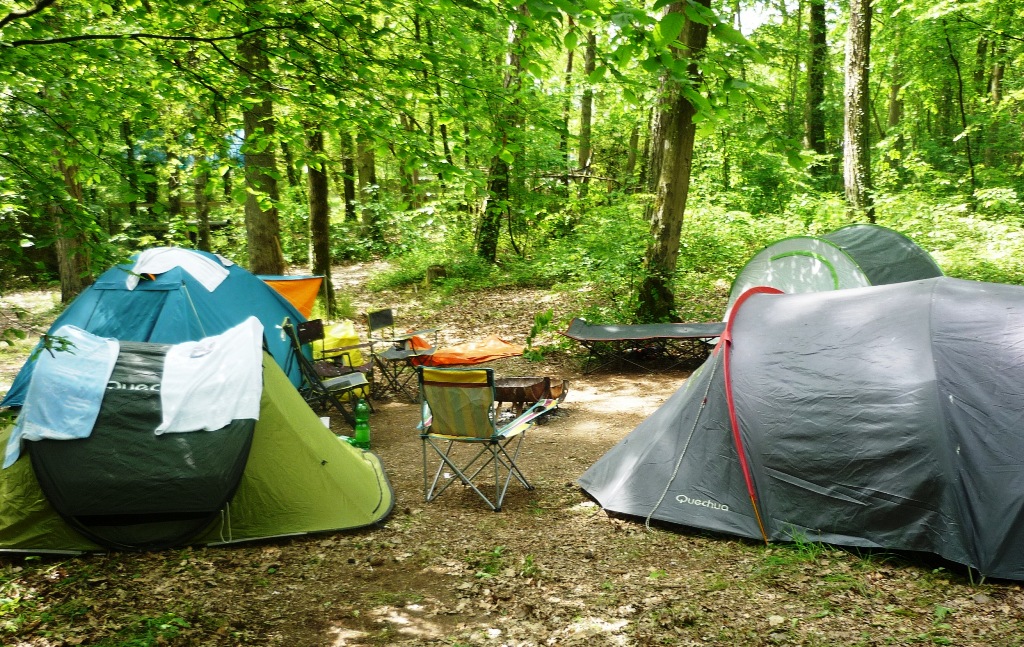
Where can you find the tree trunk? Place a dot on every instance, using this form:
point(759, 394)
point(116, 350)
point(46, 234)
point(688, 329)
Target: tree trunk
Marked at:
point(445, 145)
point(202, 201)
point(263, 227)
point(964, 130)
point(634, 143)
point(894, 113)
point(132, 172)
point(497, 208)
point(507, 122)
point(72, 252)
point(644, 182)
point(814, 124)
point(996, 96)
point(320, 215)
point(67, 263)
point(348, 178)
point(856, 122)
point(678, 131)
point(289, 165)
point(409, 176)
point(174, 209)
point(794, 116)
point(587, 108)
point(563, 137)
point(366, 167)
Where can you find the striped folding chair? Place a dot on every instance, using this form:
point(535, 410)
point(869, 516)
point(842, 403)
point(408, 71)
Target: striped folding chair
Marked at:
point(458, 424)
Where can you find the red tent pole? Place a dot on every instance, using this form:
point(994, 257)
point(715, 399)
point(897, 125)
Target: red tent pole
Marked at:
point(726, 347)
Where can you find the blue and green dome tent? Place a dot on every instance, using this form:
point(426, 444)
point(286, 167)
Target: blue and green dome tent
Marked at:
point(124, 484)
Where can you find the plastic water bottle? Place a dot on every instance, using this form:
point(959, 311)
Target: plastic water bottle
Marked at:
point(362, 437)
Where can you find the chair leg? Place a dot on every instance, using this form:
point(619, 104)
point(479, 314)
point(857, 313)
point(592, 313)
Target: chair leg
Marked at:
point(496, 453)
point(393, 379)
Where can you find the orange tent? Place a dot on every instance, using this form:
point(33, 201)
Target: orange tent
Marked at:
point(301, 291)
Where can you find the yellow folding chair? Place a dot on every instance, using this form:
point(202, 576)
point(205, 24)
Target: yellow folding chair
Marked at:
point(458, 408)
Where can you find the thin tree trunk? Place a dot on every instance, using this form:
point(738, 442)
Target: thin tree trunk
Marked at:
point(289, 165)
point(366, 168)
point(656, 299)
point(563, 137)
point(996, 96)
point(72, 253)
point(202, 201)
point(587, 108)
point(67, 263)
point(319, 214)
point(644, 181)
point(174, 209)
point(132, 174)
point(443, 129)
point(856, 124)
point(814, 126)
point(348, 178)
point(500, 175)
point(963, 112)
point(631, 155)
point(793, 113)
point(410, 178)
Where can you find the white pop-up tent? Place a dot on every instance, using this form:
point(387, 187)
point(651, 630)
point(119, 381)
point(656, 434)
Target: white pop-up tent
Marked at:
point(854, 256)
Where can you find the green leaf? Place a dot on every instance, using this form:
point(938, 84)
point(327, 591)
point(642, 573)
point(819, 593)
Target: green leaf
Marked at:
point(668, 29)
point(597, 74)
point(506, 156)
point(571, 40)
point(651, 64)
point(729, 34)
point(795, 159)
point(699, 14)
point(239, 194)
point(570, 8)
point(625, 53)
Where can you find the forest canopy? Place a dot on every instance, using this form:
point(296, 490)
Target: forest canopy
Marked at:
point(494, 136)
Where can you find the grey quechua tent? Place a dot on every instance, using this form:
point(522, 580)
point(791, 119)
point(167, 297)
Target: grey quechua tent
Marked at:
point(888, 416)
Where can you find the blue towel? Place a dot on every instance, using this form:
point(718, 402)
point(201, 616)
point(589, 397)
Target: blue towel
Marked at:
point(63, 399)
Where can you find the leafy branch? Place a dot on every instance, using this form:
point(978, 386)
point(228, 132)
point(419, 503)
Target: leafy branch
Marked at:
point(17, 15)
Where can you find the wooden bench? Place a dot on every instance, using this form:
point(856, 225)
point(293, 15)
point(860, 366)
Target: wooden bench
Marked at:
point(641, 345)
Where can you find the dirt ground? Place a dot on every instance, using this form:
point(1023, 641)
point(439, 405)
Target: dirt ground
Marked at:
point(551, 568)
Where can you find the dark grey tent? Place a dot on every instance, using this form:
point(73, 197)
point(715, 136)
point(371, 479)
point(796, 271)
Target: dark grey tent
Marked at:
point(888, 416)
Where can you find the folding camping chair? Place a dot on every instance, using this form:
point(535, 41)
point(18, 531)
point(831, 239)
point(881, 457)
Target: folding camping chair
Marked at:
point(335, 361)
point(393, 353)
point(323, 392)
point(457, 406)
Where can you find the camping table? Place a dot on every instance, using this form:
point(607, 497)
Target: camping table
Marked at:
point(396, 364)
point(637, 343)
